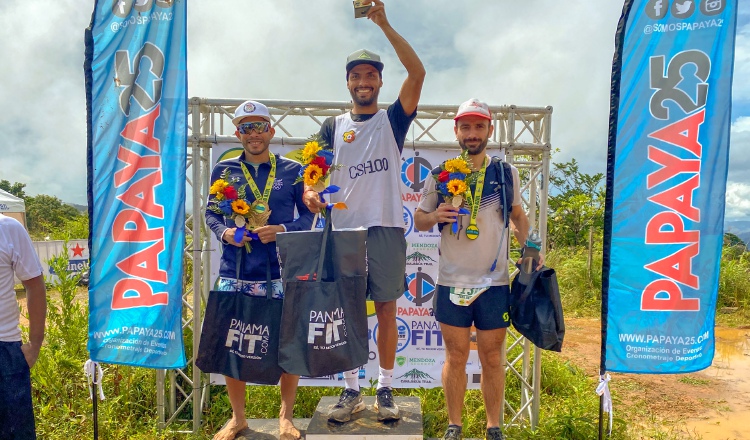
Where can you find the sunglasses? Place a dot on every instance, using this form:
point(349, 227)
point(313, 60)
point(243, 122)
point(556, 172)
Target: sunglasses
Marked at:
point(248, 127)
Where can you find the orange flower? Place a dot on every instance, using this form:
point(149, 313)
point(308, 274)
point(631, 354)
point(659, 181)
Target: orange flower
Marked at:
point(313, 173)
point(457, 187)
point(240, 207)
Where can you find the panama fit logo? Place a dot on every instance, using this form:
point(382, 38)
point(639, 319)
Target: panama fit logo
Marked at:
point(326, 329)
point(246, 340)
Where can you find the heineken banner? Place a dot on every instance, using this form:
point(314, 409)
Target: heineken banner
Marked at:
point(420, 353)
point(666, 180)
point(136, 88)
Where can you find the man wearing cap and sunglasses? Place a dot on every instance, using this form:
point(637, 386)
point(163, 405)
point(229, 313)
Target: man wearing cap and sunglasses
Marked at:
point(473, 278)
point(368, 143)
point(270, 182)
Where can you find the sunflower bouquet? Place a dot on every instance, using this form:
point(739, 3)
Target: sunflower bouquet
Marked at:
point(317, 166)
point(229, 200)
point(454, 180)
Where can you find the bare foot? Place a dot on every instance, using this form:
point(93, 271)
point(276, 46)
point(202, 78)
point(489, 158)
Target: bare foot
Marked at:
point(287, 431)
point(232, 428)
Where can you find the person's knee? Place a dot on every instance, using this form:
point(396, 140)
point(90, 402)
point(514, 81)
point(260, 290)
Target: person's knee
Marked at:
point(386, 311)
point(490, 359)
point(456, 355)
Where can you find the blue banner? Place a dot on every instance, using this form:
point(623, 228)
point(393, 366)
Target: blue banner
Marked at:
point(666, 179)
point(136, 92)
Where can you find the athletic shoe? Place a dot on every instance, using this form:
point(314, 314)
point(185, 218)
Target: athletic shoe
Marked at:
point(453, 433)
point(494, 434)
point(387, 410)
point(350, 402)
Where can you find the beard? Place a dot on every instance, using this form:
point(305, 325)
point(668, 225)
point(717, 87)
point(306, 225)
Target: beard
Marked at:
point(365, 102)
point(479, 149)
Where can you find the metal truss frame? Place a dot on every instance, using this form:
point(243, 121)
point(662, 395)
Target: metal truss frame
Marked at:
point(522, 134)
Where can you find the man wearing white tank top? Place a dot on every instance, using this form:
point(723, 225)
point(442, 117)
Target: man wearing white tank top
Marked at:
point(368, 143)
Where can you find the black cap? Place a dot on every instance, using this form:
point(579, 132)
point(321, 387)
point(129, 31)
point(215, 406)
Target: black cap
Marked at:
point(363, 56)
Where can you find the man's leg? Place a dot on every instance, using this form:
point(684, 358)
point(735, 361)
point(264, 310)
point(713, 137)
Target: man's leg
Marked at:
point(387, 333)
point(16, 408)
point(236, 391)
point(287, 430)
point(491, 350)
point(456, 341)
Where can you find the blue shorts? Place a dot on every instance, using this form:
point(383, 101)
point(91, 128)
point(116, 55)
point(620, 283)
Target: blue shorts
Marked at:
point(16, 410)
point(488, 312)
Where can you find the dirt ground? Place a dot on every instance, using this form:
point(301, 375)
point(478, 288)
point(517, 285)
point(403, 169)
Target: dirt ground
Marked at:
point(713, 404)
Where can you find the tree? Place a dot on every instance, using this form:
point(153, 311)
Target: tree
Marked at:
point(577, 205)
point(16, 188)
point(46, 213)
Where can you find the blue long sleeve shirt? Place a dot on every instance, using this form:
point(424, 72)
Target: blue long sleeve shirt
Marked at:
point(285, 196)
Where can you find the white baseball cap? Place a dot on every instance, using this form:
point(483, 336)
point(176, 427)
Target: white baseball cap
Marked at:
point(473, 107)
point(250, 108)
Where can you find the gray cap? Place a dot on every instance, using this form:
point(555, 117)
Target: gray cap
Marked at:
point(363, 56)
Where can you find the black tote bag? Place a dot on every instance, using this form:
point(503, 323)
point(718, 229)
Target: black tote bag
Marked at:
point(536, 309)
point(324, 321)
point(240, 335)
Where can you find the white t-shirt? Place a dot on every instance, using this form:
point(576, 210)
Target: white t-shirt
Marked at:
point(369, 178)
point(17, 256)
point(465, 262)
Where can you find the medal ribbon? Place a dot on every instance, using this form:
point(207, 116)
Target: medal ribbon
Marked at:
point(477, 198)
point(269, 181)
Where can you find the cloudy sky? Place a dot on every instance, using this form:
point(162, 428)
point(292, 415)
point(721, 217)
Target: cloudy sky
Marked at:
point(530, 53)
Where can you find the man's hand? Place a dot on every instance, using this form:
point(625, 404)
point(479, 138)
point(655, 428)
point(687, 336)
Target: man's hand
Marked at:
point(31, 353)
point(267, 233)
point(446, 213)
point(228, 236)
point(377, 14)
point(311, 199)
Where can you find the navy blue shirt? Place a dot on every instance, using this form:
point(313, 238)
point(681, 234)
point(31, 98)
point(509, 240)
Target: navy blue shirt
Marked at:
point(285, 195)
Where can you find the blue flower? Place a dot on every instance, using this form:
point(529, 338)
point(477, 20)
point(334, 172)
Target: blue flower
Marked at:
point(327, 155)
point(443, 188)
point(459, 176)
point(226, 207)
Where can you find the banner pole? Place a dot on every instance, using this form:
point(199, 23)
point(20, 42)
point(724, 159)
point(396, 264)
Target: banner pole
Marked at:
point(96, 406)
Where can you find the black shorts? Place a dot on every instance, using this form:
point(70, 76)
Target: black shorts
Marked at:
point(16, 410)
point(386, 263)
point(488, 312)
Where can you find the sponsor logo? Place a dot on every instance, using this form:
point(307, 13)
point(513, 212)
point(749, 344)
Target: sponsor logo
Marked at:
point(122, 8)
point(415, 311)
point(400, 360)
point(418, 258)
point(657, 9)
point(683, 9)
point(415, 171)
point(369, 167)
point(426, 334)
point(404, 334)
point(420, 287)
point(326, 329)
point(712, 7)
point(278, 184)
point(360, 375)
point(349, 136)
point(74, 266)
point(247, 340)
point(408, 221)
point(415, 376)
point(421, 361)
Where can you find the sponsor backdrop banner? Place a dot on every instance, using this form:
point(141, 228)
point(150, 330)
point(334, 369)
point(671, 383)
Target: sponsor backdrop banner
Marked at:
point(136, 88)
point(666, 179)
point(420, 354)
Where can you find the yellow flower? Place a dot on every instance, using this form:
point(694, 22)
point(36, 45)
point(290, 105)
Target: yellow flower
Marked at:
point(310, 151)
point(240, 207)
point(218, 186)
point(457, 165)
point(313, 173)
point(457, 187)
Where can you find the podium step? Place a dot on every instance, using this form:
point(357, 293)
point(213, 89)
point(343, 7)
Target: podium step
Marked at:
point(365, 425)
point(267, 429)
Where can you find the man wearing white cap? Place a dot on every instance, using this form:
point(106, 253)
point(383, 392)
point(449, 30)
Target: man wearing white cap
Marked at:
point(469, 291)
point(368, 143)
point(270, 182)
